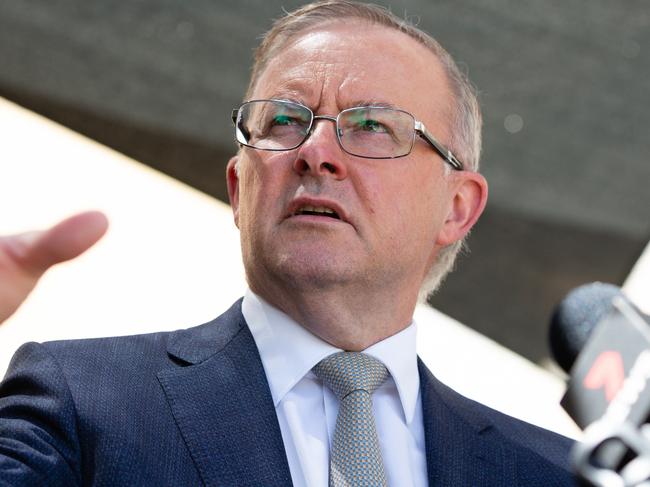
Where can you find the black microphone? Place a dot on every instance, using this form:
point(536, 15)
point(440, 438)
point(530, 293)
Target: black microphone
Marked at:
point(608, 393)
point(576, 317)
point(597, 335)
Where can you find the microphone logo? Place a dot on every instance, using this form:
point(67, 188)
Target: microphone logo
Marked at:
point(608, 373)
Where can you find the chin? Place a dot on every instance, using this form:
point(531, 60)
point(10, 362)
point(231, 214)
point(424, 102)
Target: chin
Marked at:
point(311, 271)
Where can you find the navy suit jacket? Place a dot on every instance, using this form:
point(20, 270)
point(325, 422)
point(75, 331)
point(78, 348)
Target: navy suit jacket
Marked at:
point(193, 407)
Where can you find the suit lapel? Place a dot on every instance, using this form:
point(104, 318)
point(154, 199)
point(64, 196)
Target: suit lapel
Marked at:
point(459, 449)
point(221, 402)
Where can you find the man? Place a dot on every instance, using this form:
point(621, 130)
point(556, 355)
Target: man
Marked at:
point(355, 184)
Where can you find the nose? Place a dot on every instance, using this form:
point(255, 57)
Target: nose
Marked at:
point(321, 154)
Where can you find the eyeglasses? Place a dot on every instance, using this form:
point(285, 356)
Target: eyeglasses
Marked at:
point(372, 132)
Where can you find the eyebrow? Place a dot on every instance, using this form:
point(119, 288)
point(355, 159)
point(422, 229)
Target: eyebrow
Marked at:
point(292, 97)
point(371, 103)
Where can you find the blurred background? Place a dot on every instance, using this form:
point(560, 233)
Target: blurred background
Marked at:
point(563, 87)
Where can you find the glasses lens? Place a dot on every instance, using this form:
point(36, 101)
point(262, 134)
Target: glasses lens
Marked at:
point(273, 125)
point(376, 132)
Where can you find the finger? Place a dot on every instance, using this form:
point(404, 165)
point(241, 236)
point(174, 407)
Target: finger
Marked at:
point(64, 241)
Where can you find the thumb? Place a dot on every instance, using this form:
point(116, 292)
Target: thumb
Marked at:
point(64, 241)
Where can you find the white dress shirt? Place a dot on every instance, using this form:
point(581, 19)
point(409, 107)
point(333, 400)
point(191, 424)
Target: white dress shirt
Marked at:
point(307, 410)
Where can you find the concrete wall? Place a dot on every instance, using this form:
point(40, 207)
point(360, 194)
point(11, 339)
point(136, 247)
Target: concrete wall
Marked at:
point(563, 86)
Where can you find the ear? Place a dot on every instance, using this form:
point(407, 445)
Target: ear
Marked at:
point(470, 192)
point(232, 179)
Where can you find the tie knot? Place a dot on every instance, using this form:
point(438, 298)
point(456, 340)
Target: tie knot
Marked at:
point(345, 372)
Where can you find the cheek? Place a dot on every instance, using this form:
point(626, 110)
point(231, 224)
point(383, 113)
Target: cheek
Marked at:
point(391, 207)
point(384, 186)
point(262, 189)
point(420, 207)
point(250, 196)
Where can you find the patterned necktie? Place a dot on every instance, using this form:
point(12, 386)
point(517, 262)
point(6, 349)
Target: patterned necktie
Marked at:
point(355, 459)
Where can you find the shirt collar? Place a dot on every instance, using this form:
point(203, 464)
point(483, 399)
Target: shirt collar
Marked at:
point(289, 352)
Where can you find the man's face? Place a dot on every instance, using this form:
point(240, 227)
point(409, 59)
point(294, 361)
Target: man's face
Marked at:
point(392, 213)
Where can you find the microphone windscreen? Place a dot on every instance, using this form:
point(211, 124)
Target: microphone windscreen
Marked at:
point(575, 318)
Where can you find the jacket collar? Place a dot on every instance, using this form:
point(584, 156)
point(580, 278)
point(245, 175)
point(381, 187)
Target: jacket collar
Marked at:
point(220, 400)
point(459, 447)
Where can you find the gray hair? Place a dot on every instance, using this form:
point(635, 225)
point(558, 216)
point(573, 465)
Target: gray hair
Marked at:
point(465, 140)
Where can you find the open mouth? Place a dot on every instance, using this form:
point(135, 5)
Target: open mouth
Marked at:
point(317, 211)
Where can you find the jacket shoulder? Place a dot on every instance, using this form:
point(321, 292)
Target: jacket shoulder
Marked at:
point(190, 345)
point(536, 454)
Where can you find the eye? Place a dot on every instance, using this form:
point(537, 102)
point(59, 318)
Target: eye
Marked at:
point(284, 120)
point(369, 125)
point(282, 124)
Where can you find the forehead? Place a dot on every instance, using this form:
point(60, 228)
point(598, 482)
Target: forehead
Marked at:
point(343, 64)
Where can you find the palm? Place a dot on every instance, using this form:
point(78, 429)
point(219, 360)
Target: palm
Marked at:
point(25, 258)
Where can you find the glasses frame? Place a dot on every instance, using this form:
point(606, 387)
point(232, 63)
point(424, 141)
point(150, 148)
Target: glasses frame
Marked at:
point(419, 129)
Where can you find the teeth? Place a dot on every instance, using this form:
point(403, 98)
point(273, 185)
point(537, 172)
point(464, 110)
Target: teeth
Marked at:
point(317, 209)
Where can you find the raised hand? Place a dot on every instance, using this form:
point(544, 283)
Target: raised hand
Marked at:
point(24, 258)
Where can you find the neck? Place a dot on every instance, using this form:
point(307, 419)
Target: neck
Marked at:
point(350, 320)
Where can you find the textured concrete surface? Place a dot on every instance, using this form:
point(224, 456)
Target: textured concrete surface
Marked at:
point(563, 86)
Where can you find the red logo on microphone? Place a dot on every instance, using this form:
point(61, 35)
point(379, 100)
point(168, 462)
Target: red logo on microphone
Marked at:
point(607, 373)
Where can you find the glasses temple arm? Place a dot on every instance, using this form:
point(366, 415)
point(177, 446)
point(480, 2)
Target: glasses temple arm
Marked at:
point(445, 153)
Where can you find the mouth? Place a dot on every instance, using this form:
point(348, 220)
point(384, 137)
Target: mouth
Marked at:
point(323, 211)
point(317, 209)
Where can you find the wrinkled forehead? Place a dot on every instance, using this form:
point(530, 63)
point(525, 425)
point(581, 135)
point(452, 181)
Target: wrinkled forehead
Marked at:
point(356, 62)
